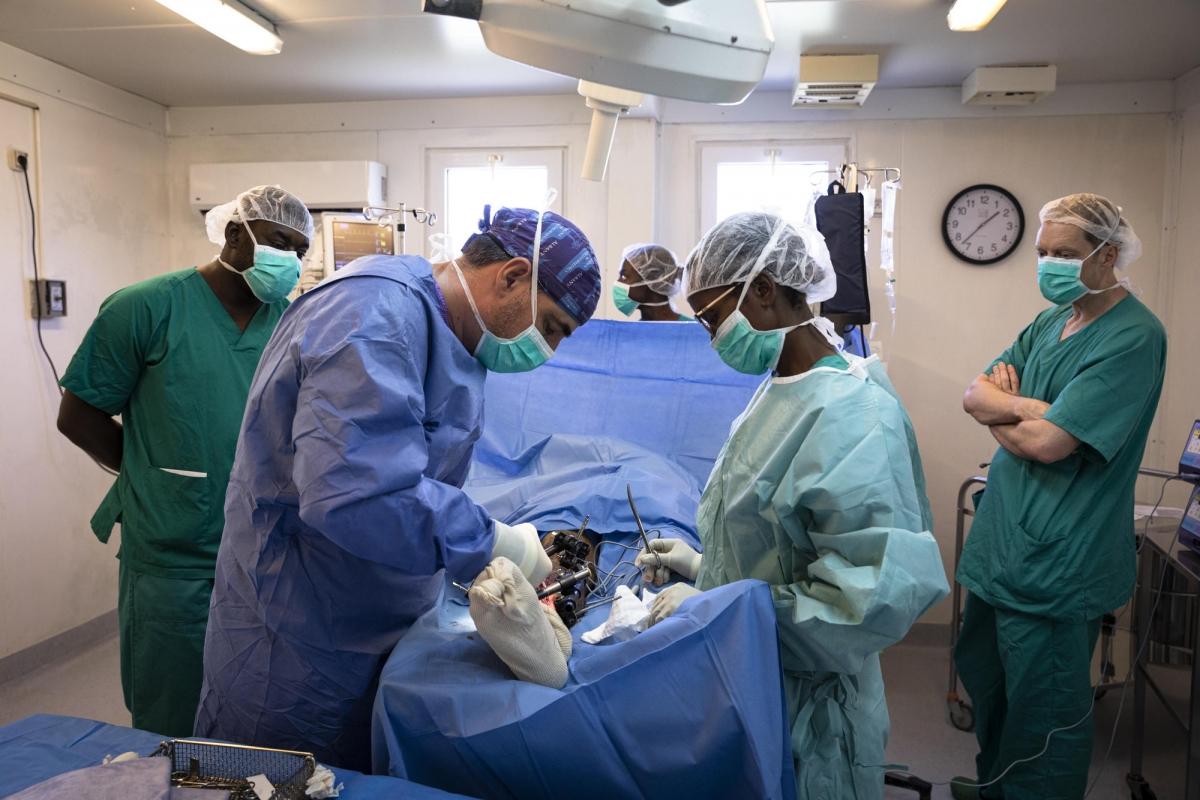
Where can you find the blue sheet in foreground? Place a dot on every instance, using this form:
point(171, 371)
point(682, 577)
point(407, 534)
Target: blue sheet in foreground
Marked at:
point(450, 714)
point(42, 746)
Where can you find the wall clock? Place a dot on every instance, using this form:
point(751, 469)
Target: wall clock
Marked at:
point(983, 224)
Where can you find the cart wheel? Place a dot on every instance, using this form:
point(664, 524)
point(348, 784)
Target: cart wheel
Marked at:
point(1139, 789)
point(962, 716)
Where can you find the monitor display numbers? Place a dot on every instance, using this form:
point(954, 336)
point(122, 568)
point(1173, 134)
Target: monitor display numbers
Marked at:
point(353, 240)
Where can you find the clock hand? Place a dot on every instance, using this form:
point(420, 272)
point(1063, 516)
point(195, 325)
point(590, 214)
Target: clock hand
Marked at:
point(977, 230)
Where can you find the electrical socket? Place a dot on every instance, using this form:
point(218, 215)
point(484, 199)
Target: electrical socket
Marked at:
point(13, 156)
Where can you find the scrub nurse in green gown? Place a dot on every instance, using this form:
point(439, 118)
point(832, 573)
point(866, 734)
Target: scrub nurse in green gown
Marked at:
point(1051, 548)
point(173, 357)
point(818, 491)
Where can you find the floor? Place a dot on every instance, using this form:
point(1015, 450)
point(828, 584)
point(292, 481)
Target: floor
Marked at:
point(923, 739)
point(88, 685)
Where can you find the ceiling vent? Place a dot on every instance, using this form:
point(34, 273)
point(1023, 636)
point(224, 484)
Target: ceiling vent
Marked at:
point(1008, 86)
point(835, 81)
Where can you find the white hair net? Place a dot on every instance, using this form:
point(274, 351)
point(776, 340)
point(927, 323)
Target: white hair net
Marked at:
point(1100, 218)
point(270, 203)
point(741, 246)
point(657, 265)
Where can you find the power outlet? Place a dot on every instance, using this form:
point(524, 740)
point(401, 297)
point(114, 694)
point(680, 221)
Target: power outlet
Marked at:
point(14, 156)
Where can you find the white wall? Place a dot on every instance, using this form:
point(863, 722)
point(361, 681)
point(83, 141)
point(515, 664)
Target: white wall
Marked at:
point(99, 157)
point(400, 134)
point(952, 318)
point(1181, 291)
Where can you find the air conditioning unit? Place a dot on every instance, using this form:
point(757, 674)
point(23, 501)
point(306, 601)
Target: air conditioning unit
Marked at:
point(322, 185)
point(835, 81)
point(1008, 86)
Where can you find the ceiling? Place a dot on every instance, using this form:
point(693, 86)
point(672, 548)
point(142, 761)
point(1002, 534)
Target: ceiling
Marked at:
point(344, 50)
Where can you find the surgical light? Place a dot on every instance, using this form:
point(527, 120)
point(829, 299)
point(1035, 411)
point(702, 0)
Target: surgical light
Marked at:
point(705, 51)
point(973, 15)
point(231, 21)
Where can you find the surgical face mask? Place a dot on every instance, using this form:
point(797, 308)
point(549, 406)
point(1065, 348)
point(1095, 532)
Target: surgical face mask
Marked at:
point(1059, 278)
point(273, 274)
point(747, 349)
point(626, 304)
point(1059, 282)
point(525, 351)
point(621, 299)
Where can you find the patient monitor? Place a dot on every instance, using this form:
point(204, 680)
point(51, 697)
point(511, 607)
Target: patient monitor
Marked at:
point(351, 236)
point(1189, 462)
point(1189, 470)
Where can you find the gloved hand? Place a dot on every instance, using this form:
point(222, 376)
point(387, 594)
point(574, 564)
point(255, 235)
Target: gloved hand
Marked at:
point(669, 601)
point(522, 545)
point(676, 556)
point(527, 634)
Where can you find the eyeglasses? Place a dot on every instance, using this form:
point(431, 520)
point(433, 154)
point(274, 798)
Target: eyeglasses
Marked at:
point(708, 326)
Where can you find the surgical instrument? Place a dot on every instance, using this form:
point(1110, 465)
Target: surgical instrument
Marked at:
point(641, 530)
point(565, 583)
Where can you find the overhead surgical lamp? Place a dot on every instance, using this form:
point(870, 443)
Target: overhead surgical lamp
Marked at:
point(707, 51)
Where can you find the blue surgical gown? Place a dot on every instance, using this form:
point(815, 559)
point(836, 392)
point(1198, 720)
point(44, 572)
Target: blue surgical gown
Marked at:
point(819, 492)
point(344, 507)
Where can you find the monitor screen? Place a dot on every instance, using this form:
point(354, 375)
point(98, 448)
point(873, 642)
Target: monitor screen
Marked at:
point(1191, 515)
point(353, 240)
point(1189, 462)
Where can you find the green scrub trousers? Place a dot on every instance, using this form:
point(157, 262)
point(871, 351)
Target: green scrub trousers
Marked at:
point(167, 357)
point(1028, 675)
point(162, 623)
point(1051, 548)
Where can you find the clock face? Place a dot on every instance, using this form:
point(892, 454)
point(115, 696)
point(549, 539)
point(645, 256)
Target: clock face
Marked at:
point(983, 224)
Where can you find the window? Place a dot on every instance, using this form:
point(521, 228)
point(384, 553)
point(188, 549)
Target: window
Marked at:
point(771, 177)
point(462, 182)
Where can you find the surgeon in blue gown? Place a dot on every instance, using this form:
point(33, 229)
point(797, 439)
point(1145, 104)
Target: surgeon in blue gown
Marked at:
point(818, 491)
point(344, 508)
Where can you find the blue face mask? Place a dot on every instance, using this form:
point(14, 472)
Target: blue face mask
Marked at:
point(525, 351)
point(273, 274)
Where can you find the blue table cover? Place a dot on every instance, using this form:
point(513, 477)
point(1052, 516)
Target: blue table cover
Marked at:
point(44, 745)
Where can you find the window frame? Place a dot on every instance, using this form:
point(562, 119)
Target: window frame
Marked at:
point(711, 153)
point(438, 160)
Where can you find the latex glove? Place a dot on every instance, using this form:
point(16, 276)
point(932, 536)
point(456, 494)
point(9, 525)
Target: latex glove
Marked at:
point(670, 600)
point(676, 557)
point(525, 633)
point(522, 545)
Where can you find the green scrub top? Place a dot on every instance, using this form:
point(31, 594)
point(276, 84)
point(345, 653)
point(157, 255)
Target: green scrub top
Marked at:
point(1056, 540)
point(167, 357)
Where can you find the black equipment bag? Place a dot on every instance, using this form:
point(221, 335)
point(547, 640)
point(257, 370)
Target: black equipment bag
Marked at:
point(840, 221)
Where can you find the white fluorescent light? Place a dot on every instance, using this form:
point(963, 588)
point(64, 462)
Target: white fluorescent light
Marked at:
point(968, 15)
point(231, 21)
